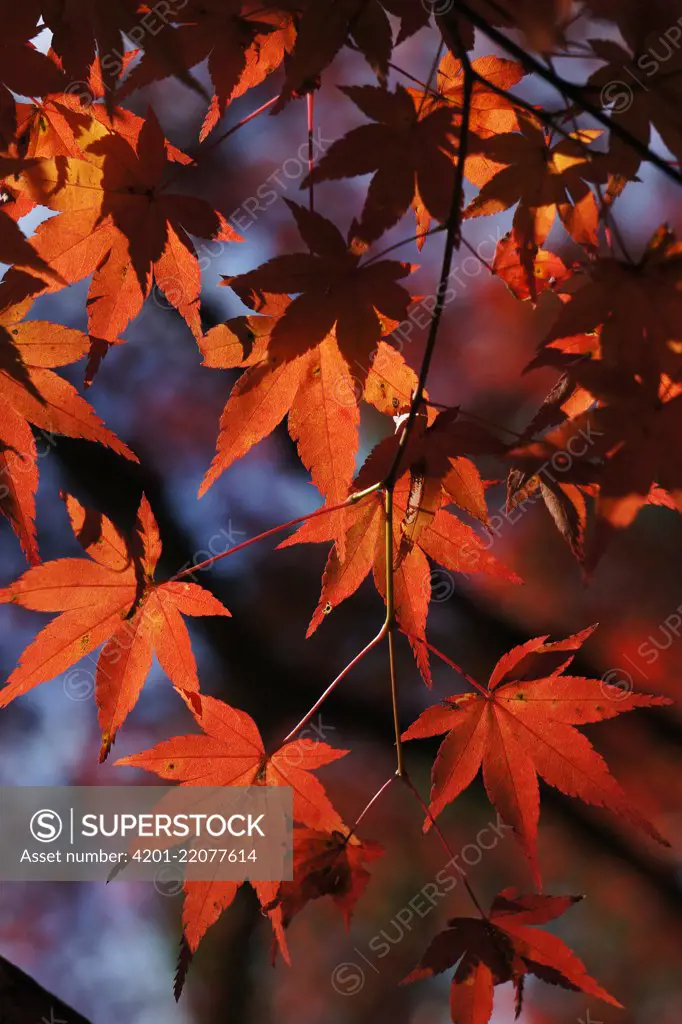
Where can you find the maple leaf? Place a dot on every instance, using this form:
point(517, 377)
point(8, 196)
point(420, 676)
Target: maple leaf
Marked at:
point(317, 390)
point(81, 30)
point(391, 383)
point(333, 290)
point(407, 152)
point(62, 125)
point(510, 264)
point(522, 725)
point(502, 948)
point(31, 394)
point(242, 49)
point(633, 431)
point(566, 503)
point(117, 222)
point(634, 21)
point(489, 114)
point(643, 100)
point(231, 745)
point(329, 863)
point(206, 901)
point(635, 308)
point(14, 247)
point(230, 752)
point(439, 474)
point(422, 529)
point(24, 70)
point(327, 25)
point(109, 598)
point(544, 181)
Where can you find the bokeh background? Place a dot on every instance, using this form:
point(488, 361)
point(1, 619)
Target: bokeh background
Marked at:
point(111, 951)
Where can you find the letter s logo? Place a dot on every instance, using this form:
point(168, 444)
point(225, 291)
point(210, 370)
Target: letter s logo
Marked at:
point(46, 826)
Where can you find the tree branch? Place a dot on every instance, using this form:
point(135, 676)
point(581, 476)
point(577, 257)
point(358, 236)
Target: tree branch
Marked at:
point(574, 92)
point(452, 241)
point(445, 844)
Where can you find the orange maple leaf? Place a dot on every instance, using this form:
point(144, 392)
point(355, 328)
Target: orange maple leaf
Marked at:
point(544, 181)
point(489, 114)
point(422, 529)
point(317, 390)
point(112, 597)
point(510, 264)
point(204, 904)
point(230, 752)
point(242, 48)
point(117, 222)
point(31, 394)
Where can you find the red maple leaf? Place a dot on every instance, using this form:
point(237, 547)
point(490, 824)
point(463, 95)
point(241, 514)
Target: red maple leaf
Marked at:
point(230, 752)
point(501, 948)
point(82, 31)
point(410, 151)
point(334, 291)
point(327, 25)
point(326, 864)
point(522, 725)
point(632, 434)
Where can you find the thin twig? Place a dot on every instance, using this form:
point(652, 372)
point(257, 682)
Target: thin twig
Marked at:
point(481, 260)
point(353, 499)
point(332, 686)
point(240, 124)
point(445, 844)
point(215, 142)
point(574, 92)
point(311, 147)
point(371, 803)
point(390, 625)
point(546, 116)
point(405, 241)
point(452, 242)
point(432, 74)
point(448, 661)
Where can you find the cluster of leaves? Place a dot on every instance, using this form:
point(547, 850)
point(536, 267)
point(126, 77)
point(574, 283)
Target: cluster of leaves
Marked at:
point(316, 347)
